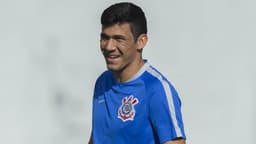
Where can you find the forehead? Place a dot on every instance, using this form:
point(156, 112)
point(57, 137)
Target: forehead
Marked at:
point(119, 28)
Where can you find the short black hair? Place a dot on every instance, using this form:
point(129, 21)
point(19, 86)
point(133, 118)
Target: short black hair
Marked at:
point(125, 12)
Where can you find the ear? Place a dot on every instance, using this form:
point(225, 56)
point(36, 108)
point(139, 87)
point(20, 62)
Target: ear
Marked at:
point(142, 41)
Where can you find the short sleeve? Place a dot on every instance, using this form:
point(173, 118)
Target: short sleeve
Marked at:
point(165, 112)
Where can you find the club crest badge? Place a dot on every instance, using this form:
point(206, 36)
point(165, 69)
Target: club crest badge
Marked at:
point(126, 111)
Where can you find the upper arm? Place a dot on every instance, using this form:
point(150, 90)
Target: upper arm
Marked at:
point(176, 141)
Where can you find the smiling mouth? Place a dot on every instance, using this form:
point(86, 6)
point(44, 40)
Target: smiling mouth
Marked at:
point(112, 58)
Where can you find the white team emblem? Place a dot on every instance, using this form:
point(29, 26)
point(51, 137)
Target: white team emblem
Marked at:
point(126, 111)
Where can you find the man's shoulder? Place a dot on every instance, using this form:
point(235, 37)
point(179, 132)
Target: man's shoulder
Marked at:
point(154, 75)
point(103, 82)
point(104, 75)
point(104, 78)
point(153, 78)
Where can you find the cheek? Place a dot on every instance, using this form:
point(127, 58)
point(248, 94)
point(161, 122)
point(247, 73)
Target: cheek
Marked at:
point(102, 48)
point(101, 45)
point(130, 52)
point(127, 49)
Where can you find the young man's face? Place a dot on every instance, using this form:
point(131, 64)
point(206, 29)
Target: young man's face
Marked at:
point(119, 47)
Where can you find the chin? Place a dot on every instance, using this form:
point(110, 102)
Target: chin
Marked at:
point(115, 68)
point(112, 68)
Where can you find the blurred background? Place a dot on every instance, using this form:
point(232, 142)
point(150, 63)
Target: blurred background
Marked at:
point(50, 59)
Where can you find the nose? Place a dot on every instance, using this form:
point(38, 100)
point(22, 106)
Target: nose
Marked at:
point(109, 44)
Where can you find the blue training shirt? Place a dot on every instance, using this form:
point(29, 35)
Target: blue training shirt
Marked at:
point(146, 109)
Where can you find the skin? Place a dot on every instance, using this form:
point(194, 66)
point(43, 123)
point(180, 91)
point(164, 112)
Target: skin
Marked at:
point(177, 141)
point(121, 51)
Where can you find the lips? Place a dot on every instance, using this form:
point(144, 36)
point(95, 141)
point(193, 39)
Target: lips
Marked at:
point(112, 58)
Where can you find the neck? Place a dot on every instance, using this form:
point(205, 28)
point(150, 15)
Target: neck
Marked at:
point(129, 71)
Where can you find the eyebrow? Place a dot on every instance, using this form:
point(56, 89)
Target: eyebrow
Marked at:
point(103, 35)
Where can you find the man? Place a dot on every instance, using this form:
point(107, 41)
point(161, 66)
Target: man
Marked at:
point(133, 103)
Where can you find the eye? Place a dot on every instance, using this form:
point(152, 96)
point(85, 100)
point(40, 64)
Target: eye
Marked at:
point(104, 37)
point(119, 38)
